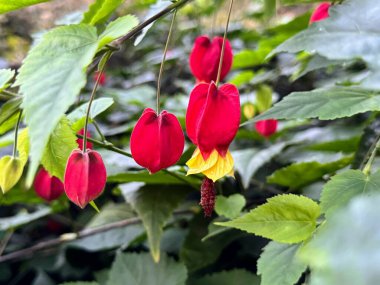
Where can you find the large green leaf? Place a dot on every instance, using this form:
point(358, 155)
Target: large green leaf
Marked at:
point(139, 269)
point(51, 77)
point(344, 186)
point(5, 76)
point(233, 277)
point(7, 5)
point(154, 205)
point(284, 218)
point(23, 218)
point(280, 265)
point(347, 33)
point(298, 175)
point(324, 104)
point(100, 11)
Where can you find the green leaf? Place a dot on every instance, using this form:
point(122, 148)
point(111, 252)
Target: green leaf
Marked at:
point(284, 218)
point(280, 265)
point(5, 76)
point(117, 28)
point(61, 143)
point(99, 11)
point(10, 109)
point(132, 269)
point(343, 187)
point(51, 77)
point(270, 7)
point(346, 34)
point(233, 277)
point(229, 207)
point(242, 78)
point(23, 145)
point(80, 283)
point(324, 104)
point(298, 175)
point(23, 218)
point(154, 206)
point(264, 97)
point(6, 5)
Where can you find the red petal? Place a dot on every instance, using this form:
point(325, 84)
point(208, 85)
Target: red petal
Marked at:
point(48, 187)
point(157, 142)
point(85, 177)
point(321, 12)
point(205, 58)
point(215, 123)
point(266, 127)
point(80, 141)
point(101, 76)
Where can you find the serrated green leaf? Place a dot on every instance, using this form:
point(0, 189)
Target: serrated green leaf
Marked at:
point(23, 145)
point(117, 28)
point(298, 175)
point(99, 11)
point(154, 205)
point(61, 143)
point(280, 265)
point(5, 76)
point(7, 6)
point(132, 268)
point(231, 206)
point(51, 77)
point(284, 218)
point(233, 277)
point(324, 104)
point(343, 187)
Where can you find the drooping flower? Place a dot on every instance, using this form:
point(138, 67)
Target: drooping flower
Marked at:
point(48, 187)
point(157, 141)
point(266, 127)
point(80, 141)
point(321, 12)
point(85, 176)
point(102, 77)
point(205, 59)
point(208, 196)
point(11, 169)
point(212, 121)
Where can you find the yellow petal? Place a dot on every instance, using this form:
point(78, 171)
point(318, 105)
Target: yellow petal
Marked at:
point(224, 166)
point(197, 164)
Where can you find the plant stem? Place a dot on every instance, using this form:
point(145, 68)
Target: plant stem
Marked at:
point(4, 242)
point(8, 93)
point(103, 138)
point(368, 165)
point(16, 134)
point(106, 145)
point(224, 44)
point(163, 62)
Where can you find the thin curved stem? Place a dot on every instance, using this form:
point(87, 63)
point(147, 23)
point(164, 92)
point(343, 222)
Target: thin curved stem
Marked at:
point(163, 62)
point(16, 134)
point(224, 44)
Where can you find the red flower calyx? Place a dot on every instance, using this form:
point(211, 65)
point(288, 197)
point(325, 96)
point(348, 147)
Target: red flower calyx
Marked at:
point(48, 187)
point(157, 141)
point(321, 12)
point(266, 127)
point(205, 59)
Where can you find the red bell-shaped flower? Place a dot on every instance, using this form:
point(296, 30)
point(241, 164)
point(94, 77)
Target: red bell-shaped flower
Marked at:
point(102, 78)
point(321, 12)
point(213, 117)
point(266, 127)
point(48, 187)
point(157, 141)
point(85, 176)
point(80, 141)
point(205, 58)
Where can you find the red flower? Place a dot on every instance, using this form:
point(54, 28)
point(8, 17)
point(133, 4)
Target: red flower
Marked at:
point(48, 187)
point(212, 121)
point(102, 78)
point(157, 141)
point(80, 141)
point(266, 127)
point(321, 12)
point(85, 177)
point(205, 58)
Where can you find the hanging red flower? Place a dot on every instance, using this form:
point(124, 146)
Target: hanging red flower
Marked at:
point(102, 78)
point(85, 177)
point(321, 12)
point(48, 187)
point(266, 127)
point(205, 59)
point(80, 141)
point(212, 121)
point(157, 141)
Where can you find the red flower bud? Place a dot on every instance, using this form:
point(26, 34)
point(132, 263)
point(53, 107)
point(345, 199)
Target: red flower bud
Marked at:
point(321, 12)
point(205, 58)
point(208, 196)
point(213, 117)
point(85, 176)
point(48, 187)
point(101, 76)
point(266, 127)
point(157, 141)
point(80, 141)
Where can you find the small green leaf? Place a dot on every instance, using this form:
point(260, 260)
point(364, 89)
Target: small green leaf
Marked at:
point(5, 76)
point(242, 78)
point(11, 169)
point(7, 6)
point(284, 218)
point(229, 207)
point(233, 277)
point(99, 11)
point(264, 97)
point(23, 145)
point(279, 264)
point(10, 109)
